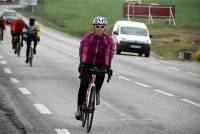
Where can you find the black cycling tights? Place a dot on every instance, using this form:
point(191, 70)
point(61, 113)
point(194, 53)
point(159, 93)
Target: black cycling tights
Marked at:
point(85, 82)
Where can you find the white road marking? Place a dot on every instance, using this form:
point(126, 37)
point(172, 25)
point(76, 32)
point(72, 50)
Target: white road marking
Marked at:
point(192, 74)
point(63, 51)
point(24, 90)
point(163, 92)
point(1, 57)
point(56, 48)
point(14, 80)
point(138, 58)
point(129, 119)
point(191, 102)
point(3, 62)
point(173, 68)
point(75, 56)
point(141, 84)
point(114, 109)
point(42, 109)
point(124, 78)
point(66, 52)
point(7, 70)
point(114, 73)
point(62, 131)
point(153, 62)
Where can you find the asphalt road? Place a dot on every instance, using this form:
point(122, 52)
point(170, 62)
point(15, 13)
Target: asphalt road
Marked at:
point(145, 95)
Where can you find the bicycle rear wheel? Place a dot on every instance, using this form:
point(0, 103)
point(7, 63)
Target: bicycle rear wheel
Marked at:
point(91, 108)
point(31, 57)
point(18, 49)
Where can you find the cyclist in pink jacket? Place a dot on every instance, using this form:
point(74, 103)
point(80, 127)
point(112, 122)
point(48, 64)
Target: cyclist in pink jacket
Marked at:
point(96, 50)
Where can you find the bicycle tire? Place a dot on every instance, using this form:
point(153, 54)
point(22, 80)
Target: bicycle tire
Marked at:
point(84, 118)
point(15, 50)
point(91, 107)
point(18, 49)
point(31, 57)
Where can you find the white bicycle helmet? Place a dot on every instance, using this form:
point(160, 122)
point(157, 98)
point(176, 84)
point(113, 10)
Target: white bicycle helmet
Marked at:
point(99, 20)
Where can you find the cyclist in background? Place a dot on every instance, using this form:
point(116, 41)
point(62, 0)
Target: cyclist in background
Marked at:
point(96, 50)
point(32, 30)
point(16, 30)
point(2, 27)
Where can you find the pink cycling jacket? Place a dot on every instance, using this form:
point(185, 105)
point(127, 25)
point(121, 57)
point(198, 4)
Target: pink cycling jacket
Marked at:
point(96, 50)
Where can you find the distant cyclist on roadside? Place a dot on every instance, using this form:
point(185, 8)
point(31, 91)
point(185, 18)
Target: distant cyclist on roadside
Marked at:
point(16, 27)
point(32, 30)
point(96, 50)
point(2, 27)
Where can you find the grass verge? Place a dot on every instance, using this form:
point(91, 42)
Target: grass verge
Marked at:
point(75, 17)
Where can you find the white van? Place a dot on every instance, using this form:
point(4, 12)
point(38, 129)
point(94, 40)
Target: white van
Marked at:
point(131, 36)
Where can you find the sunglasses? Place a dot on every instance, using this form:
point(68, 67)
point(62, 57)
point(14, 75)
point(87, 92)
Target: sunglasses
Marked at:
point(97, 26)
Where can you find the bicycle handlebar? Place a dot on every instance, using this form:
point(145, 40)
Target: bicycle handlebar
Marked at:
point(100, 70)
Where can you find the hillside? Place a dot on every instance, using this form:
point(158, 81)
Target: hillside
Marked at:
point(75, 17)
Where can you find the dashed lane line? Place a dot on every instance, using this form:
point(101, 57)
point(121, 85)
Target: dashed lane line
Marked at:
point(65, 52)
point(138, 83)
point(191, 102)
point(7, 70)
point(193, 74)
point(153, 62)
point(124, 78)
point(42, 109)
point(25, 91)
point(173, 68)
point(3, 62)
point(163, 92)
point(141, 84)
point(62, 131)
point(14, 80)
point(75, 56)
point(114, 109)
point(114, 73)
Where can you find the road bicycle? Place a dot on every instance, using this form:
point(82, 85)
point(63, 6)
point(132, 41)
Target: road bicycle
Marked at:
point(17, 45)
point(88, 107)
point(31, 39)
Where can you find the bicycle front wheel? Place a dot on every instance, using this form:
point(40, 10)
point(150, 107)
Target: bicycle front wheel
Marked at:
point(84, 118)
point(91, 108)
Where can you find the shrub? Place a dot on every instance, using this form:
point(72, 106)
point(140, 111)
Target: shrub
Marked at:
point(197, 55)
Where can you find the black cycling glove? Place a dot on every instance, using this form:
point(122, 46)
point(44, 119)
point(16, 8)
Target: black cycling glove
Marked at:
point(80, 67)
point(38, 39)
point(110, 72)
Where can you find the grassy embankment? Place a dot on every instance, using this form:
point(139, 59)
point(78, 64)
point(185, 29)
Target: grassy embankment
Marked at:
point(74, 17)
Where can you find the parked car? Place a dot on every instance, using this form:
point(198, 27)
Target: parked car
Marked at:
point(132, 36)
point(9, 15)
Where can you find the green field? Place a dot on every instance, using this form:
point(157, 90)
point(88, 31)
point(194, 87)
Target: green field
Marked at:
point(75, 17)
